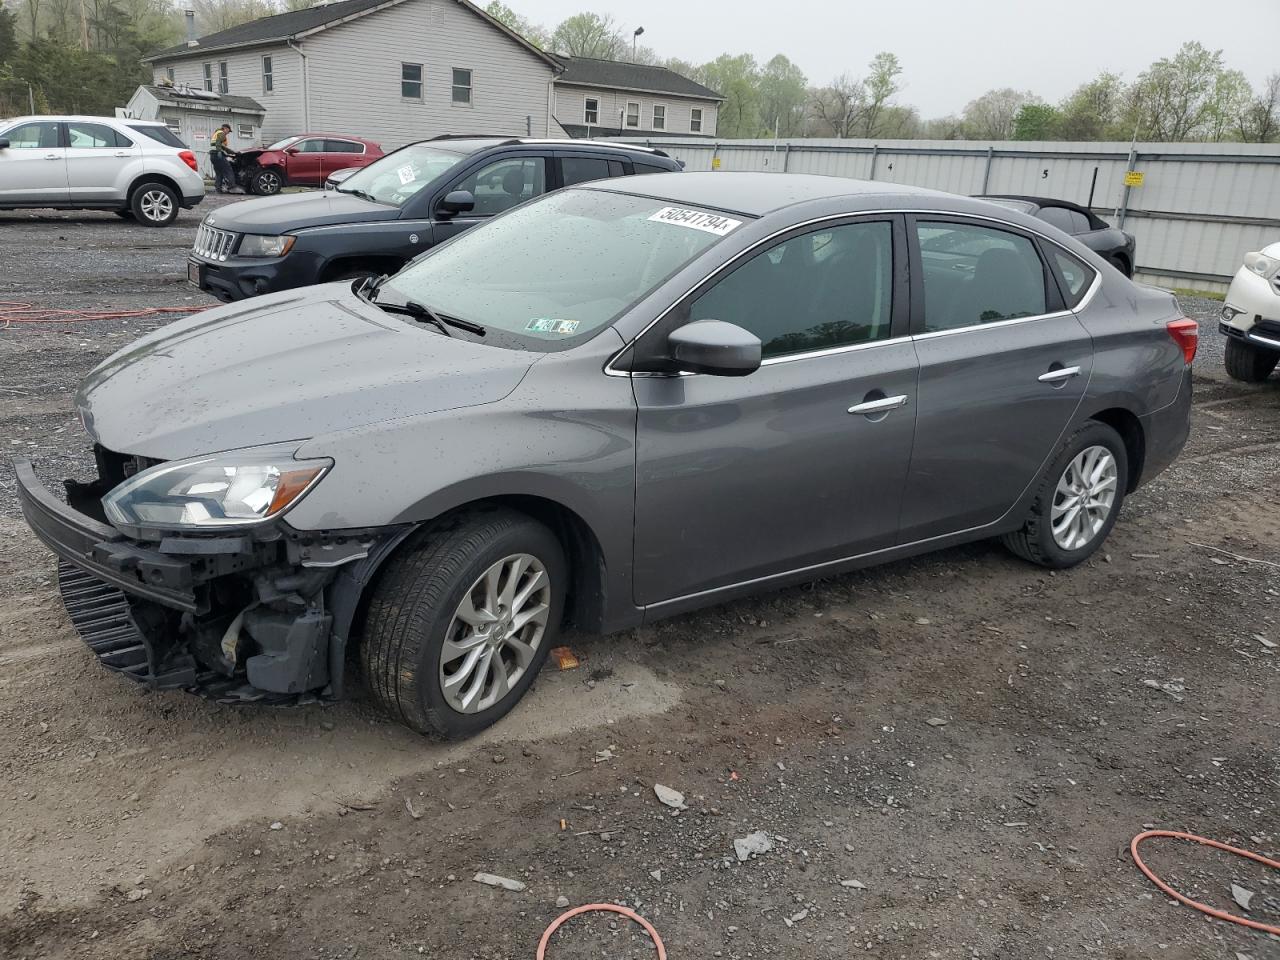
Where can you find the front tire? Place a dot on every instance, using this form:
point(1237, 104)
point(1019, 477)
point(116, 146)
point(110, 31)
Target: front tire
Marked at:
point(153, 204)
point(267, 182)
point(1077, 501)
point(1249, 363)
point(460, 622)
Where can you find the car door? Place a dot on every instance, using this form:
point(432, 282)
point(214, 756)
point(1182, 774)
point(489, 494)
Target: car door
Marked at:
point(1003, 368)
point(497, 185)
point(95, 155)
point(802, 462)
point(33, 168)
point(306, 158)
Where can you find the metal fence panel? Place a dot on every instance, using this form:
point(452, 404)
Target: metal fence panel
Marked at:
point(1201, 207)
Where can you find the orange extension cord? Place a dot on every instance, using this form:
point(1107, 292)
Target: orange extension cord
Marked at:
point(1196, 905)
point(11, 312)
point(600, 908)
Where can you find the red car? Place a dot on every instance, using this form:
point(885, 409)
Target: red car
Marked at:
point(301, 161)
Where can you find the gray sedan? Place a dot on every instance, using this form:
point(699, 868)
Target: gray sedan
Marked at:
point(612, 404)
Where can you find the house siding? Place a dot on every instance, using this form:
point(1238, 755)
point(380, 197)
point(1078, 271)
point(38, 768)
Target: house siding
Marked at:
point(355, 76)
point(284, 115)
point(569, 110)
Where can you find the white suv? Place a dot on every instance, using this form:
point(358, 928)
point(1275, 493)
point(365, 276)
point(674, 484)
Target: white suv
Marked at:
point(137, 168)
point(1251, 317)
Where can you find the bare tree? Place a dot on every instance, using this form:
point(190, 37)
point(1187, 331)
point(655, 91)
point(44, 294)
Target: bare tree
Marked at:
point(992, 115)
point(839, 105)
point(1260, 119)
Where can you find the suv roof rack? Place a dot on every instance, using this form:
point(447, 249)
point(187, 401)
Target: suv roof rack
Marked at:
point(504, 138)
point(574, 141)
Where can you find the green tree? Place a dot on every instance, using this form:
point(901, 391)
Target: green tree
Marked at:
point(783, 89)
point(1092, 111)
point(1182, 97)
point(1260, 119)
point(737, 79)
point(589, 35)
point(880, 86)
point(533, 32)
point(1036, 121)
point(8, 36)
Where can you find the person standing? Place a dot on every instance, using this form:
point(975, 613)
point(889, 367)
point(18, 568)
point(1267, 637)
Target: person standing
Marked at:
point(220, 154)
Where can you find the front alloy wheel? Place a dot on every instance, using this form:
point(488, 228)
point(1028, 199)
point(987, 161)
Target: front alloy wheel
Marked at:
point(461, 618)
point(267, 183)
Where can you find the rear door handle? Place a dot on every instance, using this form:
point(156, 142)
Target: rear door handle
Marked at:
point(1062, 373)
point(52, 156)
point(883, 405)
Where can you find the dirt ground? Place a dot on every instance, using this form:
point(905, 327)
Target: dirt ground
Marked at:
point(948, 755)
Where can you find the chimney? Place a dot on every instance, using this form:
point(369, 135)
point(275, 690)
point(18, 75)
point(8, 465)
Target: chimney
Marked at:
point(191, 28)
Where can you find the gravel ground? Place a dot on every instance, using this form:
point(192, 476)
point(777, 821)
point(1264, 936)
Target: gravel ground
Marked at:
point(948, 755)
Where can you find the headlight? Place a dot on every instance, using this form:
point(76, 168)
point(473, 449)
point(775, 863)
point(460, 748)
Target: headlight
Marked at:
point(1261, 264)
point(256, 245)
point(223, 490)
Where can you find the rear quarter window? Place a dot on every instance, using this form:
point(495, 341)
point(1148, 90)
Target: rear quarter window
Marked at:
point(159, 135)
point(641, 167)
point(1074, 275)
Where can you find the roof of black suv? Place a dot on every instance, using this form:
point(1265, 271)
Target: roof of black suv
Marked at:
point(470, 143)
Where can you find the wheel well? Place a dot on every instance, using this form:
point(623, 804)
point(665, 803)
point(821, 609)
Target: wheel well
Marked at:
point(1122, 261)
point(1129, 427)
point(153, 178)
point(341, 265)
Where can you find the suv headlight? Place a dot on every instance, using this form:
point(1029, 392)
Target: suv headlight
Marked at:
point(257, 245)
point(1261, 264)
point(234, 489)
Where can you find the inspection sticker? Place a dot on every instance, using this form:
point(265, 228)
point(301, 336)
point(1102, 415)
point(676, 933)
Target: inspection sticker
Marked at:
point(697, 220)
point(552, 325)
point(406, 174)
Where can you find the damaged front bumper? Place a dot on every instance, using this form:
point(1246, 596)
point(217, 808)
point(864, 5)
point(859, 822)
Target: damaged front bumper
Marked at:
point(257, 615)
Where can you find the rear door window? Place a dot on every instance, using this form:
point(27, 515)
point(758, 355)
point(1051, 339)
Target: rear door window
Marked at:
point(343, 146)
point(975, 274)
point(583, 169)
point(90, 135)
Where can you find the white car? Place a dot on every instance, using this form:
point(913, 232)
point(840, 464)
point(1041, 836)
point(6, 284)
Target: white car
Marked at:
point(137, 168)
point(1251, 317)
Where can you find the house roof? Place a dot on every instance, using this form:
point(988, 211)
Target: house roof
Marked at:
point(215, 103)
point(641, 77)
point(295, 24)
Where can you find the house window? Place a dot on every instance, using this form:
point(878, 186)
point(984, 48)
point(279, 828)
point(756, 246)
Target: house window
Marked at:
point(633, 114)
point(695, 120)
point(244, 131)
point(411, 81)
point(591, 111)
point(168, 72)
point(223, 85)
point(173, 123)
point(208, 77)
point(268, 81)
point(461, 86)
point(659, 116)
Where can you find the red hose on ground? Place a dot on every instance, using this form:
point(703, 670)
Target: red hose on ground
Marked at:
point(12, 311)
point(600, 908)
point(1194, 904)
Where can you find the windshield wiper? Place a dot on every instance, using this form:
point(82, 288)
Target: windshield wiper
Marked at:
point(361, 194)
point(441, 320)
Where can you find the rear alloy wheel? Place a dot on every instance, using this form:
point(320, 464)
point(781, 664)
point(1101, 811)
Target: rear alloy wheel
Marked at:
point(460, 622)
point(154, 205)
point(1248, 362)
point(1077, 501)
point(267, 183)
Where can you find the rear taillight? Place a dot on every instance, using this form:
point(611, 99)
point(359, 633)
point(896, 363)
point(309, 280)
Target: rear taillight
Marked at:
point(189, 158)
point(1186, 334)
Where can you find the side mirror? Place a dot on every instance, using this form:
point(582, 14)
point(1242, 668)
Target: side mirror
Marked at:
point(714, 347)
point(4, 144)
point(292, 151)
point(455, 202)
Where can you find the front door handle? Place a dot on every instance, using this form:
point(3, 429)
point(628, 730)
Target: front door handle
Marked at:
point(52, 156)
point(1062, 373)
point(883, 405)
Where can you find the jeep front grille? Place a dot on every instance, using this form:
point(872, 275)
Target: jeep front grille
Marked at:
point(212, 243)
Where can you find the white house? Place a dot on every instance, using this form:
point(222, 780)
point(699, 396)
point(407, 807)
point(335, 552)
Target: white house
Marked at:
point(613, 98)
point(386, 70)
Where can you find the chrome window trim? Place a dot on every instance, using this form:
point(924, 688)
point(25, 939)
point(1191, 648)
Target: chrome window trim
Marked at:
point(831, 351)
point(612, 371)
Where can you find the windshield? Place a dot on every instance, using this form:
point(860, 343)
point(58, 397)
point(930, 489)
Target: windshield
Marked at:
point(281, 144)
point(398, 176)
point(553, 272)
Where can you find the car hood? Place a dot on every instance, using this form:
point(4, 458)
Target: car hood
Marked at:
point(297, 211)
point(284, 367)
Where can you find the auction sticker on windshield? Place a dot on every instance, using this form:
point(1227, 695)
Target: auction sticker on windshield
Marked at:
point(697, 220)
point(407, 174)
point(551, 325)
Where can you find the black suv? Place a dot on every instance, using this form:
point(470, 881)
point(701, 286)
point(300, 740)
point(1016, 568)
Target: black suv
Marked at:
point(384, 215)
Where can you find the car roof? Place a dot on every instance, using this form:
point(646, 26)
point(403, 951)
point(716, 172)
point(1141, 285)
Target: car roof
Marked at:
point(78, 117)
point(471, 144)
point(758, 194)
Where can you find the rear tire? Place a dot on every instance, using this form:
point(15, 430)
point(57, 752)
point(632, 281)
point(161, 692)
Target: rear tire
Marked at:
point(430, 636)
point(1249, 363)
point(1122, 265)
point(153, 204)
point(1047, 537)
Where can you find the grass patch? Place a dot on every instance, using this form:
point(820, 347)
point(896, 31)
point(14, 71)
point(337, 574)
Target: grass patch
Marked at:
point(1203, 294)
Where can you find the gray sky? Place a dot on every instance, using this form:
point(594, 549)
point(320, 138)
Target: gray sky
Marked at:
point(951, 50)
